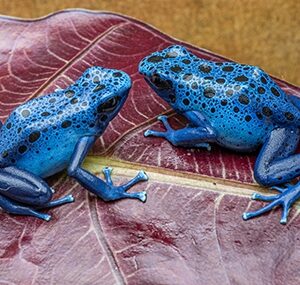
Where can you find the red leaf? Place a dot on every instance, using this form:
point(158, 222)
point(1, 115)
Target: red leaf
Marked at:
point(190, 230)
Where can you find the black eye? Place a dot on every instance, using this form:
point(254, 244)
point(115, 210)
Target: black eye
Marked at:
point(159, 82)
point(109, 105)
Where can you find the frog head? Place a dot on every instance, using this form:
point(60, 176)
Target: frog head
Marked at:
point(164, 71)
point(105, 91)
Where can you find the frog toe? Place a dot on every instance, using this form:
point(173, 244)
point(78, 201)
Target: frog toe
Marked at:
point(69, 198)
point(107, 174)
point(164, 120)
point(46, 217)
point(149, 133)
point(107, 170)
point(246, 216)
point(283, 221)
point(143, 176)
point(257, 196)
point(142, 196)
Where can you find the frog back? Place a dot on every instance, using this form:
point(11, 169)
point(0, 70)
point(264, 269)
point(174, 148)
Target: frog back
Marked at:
point(246, 87)
point(241, 102)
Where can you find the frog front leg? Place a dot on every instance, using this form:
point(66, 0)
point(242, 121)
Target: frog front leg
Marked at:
point(276, 164)
point(198, 133)
point(22, 193)
point(105, 190)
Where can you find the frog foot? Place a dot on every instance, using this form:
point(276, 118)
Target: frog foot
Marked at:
point(119, 192)
point(164, 120)
point(288, 195)
point(177, 137)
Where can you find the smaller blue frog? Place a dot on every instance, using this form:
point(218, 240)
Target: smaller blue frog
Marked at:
point(55, 132)
point(236, 106)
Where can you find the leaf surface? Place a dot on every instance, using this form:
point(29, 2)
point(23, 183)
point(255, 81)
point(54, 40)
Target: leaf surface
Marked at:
point(190, 230)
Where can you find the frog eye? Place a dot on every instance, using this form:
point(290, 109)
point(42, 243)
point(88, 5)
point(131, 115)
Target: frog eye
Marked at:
point(160, 83)
point(109, 105)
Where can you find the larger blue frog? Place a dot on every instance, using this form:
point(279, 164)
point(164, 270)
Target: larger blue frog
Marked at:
point(55, 132)
point(236, 106)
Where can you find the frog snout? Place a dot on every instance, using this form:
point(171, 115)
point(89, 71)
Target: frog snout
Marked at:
point(124, 89)
point(145, 68)
point(127, 82)
point(141, 67)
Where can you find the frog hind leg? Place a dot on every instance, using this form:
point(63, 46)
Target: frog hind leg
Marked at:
point(103, 189)
point(22, 193)
point(276, 164)
point(295, 100)
point(12, 207)
point(197, 134)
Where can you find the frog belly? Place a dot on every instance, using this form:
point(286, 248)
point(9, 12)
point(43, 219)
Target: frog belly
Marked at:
point(51, 157)
point(235, 134)
point(44, 167)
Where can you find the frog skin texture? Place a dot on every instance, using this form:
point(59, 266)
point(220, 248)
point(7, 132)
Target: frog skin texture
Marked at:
point(55, 132)
point(236, 106)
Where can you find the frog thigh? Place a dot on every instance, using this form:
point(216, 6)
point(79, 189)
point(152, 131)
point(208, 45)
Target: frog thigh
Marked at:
point(276, 162)
point(19, 188)
point(295, 100)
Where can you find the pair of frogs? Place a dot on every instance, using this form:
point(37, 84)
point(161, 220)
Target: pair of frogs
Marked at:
point(236, 106)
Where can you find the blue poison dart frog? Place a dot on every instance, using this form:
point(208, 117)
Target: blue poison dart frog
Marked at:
point(55, 132)
point(236, 106)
